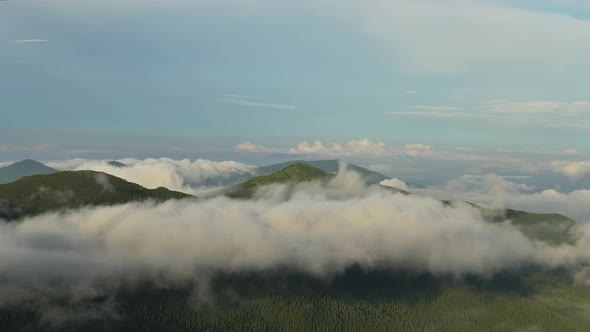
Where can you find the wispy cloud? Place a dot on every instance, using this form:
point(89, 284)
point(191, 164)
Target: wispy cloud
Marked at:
point(567, 152)
point(28, 41)
point(470, 90)
point(547, 107)
point(248, 101)
point(410, 92)
point(433, 108)
point(538, 113)
point(467, 149)
point(232, 95)
point(431, 114)
point(432, 111)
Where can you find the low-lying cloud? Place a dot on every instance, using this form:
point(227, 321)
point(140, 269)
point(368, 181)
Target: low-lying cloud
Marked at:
point(499, 192)
point(183, 175)
point(320, 229)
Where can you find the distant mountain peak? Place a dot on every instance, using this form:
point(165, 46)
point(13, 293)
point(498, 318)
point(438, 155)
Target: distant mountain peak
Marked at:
point(22, 168)
point(115, 163)
point(330, 166)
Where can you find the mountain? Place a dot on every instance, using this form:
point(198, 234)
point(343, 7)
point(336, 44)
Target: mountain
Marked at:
point(23, 168)
point(294, 173)
point(552, 228)
point(37, 194)
point(115, 163)
point(330, 166)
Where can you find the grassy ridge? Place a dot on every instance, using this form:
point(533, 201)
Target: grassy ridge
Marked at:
point(329, 166)
point(37, 194)
point(295, 173)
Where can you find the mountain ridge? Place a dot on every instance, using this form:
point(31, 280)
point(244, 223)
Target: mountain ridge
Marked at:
point(42, 193)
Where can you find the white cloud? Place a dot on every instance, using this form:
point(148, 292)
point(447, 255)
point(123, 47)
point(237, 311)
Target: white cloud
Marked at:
point(570, 152)
point(362, 147)
point(567, 152)
point(552, 114)
point(248, 147)
point(181, 175)
point(410, 92)
point(394, 183)
point(572, 169)
point(466, 149)
point(496, 191)
point(415, 150)
point(536, 108)
point(434, 114)
point(28, 41)
point(433, 108)
point(246, 101)
point(465, 37)
point(320, 230)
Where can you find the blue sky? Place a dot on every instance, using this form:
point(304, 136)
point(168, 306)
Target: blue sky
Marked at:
point(200, 77)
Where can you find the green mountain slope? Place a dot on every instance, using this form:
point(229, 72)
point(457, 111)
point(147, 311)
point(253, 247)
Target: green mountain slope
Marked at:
point(295, 173)
point(329, 166)
point(552, 228)
point(23, 168)
point(37, 194)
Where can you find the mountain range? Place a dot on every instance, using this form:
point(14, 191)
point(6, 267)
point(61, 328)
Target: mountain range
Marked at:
point(360, 299)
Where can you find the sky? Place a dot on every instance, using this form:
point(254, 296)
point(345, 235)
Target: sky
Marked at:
point(482, 83)
point(483, 101)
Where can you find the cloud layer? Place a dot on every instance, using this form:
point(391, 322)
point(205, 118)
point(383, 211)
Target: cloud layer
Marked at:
point(181, 175)
point(499, 192)
point(319, 229)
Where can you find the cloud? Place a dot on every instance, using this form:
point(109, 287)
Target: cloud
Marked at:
point(536, 108)
point(362, 147)
point(572, 169)
point(466, 149)
point(287, 107)
point(434, 111)
point(415, 150)
point(28, 41)
point(182, 175)
point(410, 92)
point(570, 152)
point(248, 147)
point(433, 108)
point(567, 152)
point(314, 228)
point(459, 37)
point(394, 183)
point(552, 114)
point(103, 181)
point(496, 191)
point(319, 229)
point(434, 114)
point(246, 101)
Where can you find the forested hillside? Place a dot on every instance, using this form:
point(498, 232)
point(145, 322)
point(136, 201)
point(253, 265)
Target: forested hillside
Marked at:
point(37, 194)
